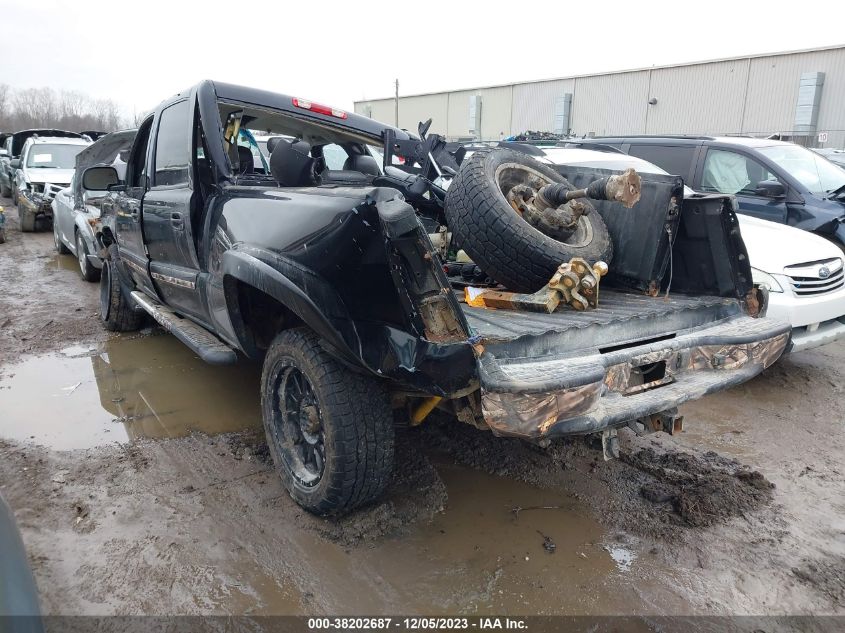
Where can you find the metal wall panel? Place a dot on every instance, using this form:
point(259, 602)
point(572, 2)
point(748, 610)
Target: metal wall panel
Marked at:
point(381, 109)
point(700, 99)
point(413, 110)
point(773, 93)
point(534, 104)
point(495, 112)
point(755, 95)
point(610, 104)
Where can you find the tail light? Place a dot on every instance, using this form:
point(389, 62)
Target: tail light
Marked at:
point(318, 108)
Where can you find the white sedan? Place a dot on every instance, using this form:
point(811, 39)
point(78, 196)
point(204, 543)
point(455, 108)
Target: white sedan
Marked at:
point(803, 272)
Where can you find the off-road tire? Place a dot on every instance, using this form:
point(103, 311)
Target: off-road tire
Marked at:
point(61, 249)
point(505, 246)
point(27, 221)
point(86, 270)
point(116, 311)
point(356, 418)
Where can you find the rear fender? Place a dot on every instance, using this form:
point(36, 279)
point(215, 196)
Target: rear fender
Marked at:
point(298, 289)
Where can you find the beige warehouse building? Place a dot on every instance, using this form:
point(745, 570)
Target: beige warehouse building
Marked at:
point(798, 94)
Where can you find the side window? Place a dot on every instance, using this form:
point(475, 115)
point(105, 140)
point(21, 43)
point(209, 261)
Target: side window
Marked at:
point(137, 159)
point(173, 145)
point(335, 156)
point(729, 172)
point(676, 160)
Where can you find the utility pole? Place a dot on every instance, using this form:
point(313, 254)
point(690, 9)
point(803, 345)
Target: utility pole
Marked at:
point(396, 113)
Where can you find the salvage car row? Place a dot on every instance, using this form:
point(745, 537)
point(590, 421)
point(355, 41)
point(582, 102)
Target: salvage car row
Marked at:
point(379, 275)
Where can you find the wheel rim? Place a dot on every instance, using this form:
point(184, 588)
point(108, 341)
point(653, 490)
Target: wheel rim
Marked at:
point(510, 175)
point(296, 428)
point(56, 236)
point(80, 254)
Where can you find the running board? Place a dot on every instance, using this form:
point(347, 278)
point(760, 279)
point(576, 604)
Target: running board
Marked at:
point(207, 346)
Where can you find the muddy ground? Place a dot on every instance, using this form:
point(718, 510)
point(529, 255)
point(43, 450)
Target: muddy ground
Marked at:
point(141, 484)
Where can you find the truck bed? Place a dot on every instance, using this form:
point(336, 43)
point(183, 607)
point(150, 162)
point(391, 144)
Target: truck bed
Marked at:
point(622, 318)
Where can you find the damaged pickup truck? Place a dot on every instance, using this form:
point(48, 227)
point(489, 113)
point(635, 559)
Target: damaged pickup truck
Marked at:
point(373, 295)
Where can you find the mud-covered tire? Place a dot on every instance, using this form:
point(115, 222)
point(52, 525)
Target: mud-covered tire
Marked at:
point(505, 246)
point(355, 424)
point(116, 312)
point(61, 249)
point(86, 270)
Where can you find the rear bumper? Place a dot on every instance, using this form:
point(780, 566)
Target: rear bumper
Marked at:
point(554, 396)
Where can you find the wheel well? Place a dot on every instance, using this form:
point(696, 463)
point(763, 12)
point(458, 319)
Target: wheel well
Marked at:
point(257, 317)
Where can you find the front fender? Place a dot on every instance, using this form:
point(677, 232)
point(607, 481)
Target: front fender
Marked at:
point(298, 289)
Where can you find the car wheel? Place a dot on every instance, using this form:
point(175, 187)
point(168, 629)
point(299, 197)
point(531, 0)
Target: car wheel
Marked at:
point(86, 269)
point(61, 249)
point(329, 429)
point(116, 311)
point(5, 192)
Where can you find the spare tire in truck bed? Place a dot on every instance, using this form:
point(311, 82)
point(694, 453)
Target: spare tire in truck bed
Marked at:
point(498, 239)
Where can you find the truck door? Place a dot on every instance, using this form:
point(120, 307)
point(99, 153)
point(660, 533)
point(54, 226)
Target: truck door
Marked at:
point(169, 212)
point(128, 221)
point(726, 171)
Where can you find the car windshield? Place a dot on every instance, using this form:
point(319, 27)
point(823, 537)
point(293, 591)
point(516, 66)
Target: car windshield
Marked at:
point(53, 156)
point(815, 172)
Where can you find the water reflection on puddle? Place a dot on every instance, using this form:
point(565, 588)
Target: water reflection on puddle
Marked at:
point(123, 389)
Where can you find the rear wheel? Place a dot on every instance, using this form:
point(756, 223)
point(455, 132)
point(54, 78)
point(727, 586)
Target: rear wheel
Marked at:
point(329, 430)
point(86, 269)
point(116, 312)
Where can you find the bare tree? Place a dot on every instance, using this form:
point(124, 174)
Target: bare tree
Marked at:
point(47, 108)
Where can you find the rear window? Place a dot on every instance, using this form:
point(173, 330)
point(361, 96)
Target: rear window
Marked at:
point(676, 160)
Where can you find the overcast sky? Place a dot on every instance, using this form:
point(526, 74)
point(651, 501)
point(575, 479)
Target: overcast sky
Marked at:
point(138, 53)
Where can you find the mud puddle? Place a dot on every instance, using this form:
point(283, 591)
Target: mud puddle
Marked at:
point(123, 389)
point(61, 262)
point(502, 546)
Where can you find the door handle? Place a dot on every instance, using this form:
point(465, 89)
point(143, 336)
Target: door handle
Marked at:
point(176, 220)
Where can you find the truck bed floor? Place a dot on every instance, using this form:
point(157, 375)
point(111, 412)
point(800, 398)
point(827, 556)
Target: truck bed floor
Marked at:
point(621, 318)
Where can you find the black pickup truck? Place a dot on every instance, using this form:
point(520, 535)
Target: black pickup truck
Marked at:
point(331, 262)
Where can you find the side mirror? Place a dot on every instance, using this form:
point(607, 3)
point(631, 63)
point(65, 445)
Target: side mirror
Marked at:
point(99, 178)
point(15, 163)
point(770, 189)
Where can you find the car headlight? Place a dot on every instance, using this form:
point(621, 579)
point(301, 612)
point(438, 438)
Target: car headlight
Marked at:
point(765, 279)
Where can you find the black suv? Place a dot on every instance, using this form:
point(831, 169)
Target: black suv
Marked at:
point(772, 180)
